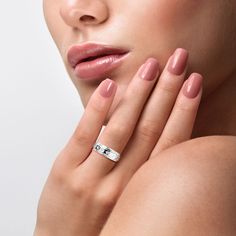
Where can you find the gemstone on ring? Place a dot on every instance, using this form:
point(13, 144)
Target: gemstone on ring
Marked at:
point(97, 147)
point(106, 151)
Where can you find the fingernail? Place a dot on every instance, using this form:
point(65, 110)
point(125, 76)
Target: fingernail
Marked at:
point(107, 88)
point(148, 71)
point(178, 61)
point(193, 85)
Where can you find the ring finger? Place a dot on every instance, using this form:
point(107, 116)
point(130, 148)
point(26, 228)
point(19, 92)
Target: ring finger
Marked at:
point(155, 115)
point(122, 123)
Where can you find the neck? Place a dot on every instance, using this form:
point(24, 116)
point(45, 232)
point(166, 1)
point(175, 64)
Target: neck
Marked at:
point(217, 112)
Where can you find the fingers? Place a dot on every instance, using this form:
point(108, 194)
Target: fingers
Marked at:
point(180, 123)
point(160, 104)
point(122, 123)
point(155, 114)
point(89, 127)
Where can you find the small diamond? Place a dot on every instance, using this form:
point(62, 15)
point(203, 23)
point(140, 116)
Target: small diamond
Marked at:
point(107, 151)
point(97, 147)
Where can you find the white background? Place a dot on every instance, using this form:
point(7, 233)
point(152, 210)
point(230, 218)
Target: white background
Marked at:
point(39, 109)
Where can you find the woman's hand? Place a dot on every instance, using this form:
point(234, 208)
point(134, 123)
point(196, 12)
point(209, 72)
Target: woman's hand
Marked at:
point(83, 185)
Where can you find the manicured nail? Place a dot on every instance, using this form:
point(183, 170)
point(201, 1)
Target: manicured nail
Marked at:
point(107, 88)
point(193, 85)
point(178, 61)
point(149, 70)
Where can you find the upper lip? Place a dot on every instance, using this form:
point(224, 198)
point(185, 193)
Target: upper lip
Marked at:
point(81, 52)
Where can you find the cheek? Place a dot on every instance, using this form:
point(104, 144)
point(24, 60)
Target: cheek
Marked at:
point(159, 18)
point(194, 25)
point(163, 25)
point(158, 24)
point(166, 12)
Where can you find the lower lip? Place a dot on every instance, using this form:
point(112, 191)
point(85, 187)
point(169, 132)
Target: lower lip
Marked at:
point(98, 68)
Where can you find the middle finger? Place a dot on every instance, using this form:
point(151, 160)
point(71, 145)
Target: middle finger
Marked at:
point(122, 123)
point(155, 115)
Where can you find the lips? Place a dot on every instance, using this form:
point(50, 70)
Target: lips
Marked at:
point(93, 61)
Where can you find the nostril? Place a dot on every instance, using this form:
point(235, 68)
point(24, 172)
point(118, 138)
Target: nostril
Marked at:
point(86, 18)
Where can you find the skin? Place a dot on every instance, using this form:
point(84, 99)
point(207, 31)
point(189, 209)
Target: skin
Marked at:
point(172, 25)
point(188, 193)
point(82, 187)
point(91, 187)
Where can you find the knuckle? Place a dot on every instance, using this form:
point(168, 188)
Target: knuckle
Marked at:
point(169, 89)
point(117, 130)
point(81, 136)
point(148, 130)
point(106, 198)
point(84, 187)
point(105, 201)
point(134, 89)
point(91, 192)
point(97, 105)
point(185, 108)
point(80, 188)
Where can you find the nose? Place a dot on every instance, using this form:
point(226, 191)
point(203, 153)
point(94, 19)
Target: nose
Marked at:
point(78, 13)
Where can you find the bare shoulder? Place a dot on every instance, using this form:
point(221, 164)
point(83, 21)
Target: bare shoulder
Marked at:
point(211, 146)
point(208, 153)
point(189, 187)
point(215, 141)
point(207, 146)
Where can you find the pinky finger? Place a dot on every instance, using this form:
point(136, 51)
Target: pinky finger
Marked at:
point(90, 125)
point(181, 121)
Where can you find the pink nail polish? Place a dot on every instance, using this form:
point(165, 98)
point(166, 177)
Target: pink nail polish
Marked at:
point(107, 88)
point(149, 70)
point(178, 61)
point(193, 85)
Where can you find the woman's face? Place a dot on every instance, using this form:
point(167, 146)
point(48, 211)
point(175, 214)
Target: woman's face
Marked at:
point(206, 28)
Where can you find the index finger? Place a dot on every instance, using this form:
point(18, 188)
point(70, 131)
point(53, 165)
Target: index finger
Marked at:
point(90, 124)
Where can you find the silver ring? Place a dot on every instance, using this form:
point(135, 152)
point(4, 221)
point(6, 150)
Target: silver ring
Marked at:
point(106, 152)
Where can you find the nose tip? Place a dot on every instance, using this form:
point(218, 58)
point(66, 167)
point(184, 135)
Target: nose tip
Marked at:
point(78, 13)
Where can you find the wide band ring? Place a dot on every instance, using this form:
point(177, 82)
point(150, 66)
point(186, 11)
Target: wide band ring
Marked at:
point(106, 152)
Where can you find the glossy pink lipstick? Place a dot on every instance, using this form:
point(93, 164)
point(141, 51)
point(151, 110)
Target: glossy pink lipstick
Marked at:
point(94, 61)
